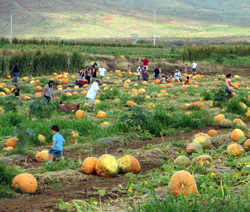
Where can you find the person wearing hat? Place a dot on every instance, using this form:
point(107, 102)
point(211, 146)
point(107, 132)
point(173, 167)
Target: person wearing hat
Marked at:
point(102, 71)
point(157, 72)
point(176, 76)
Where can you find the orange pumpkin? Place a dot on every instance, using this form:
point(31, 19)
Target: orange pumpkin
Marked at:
point(212, 133)
point(219, 117)
point(64, 82)
point(183, 87)
point(173, 96)
point(42, 156)
point(88, 165)
point(26, 98)
point(186, 106)
point(75, 93)
point(246, 145)
point(144, 83)
point(25, 78)
point(54, 74)
point(235, 149)
point(80, 114)
point(84, 93)
point(215, 80)
point(157, 81)
point(116, 82)
point(38, 95)
point(190, 82)
point(101, 114)
point(196, 83)
point(11, 142)
point(126, 85)
point(198, 104)
point(182, 182)
point(151, 105)
point(8, 77)
point(163, 86)
point(201, 134)
point(236, 134)
point(38, 88)
point(73, 77)
point(129, 163)
point(204, 160)
point(107, 166)
point(26, 182)
point(130, 104)
point(37, 81)
point(119, 75)
point(117, 71)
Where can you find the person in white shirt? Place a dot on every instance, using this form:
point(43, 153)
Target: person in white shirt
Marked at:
point(194, 66)
point(180, 75)
point(138, 72)
point(92, 94)
point(102, 71)
point(176, 76)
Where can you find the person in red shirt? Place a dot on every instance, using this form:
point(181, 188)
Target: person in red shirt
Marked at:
point(229, 86)
point(145, 63)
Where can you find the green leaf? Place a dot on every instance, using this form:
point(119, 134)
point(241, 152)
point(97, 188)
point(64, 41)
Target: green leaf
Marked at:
point(241, 139)
point(102, 192)
point(246, 169)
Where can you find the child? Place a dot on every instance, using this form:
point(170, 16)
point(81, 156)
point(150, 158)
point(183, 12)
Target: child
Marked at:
point(57, 146)
point(16, 90)
point(229, 86)
point(171, 76)
point(61, 103)
point(102, 71)
point(138, 72)
point(186, 81)
point(164, 77)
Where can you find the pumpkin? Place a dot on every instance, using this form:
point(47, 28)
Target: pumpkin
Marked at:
point(202, 99)
point(144, 83)
point(119, 75)
point(42, 156)
point(246, 145)
point(182, 161)
point(88, 165)
point(196, 83)
point(235, 149)
point(73, 77)
point(198, 104)
point(219, 117)
point(101, 114)
point(183, 87)
point(151, 105)
point(117, 71)
point(7, 149)
point(215, 80)
point(75, 93)
point(26, 182)
point(201, 134)
point(182, 183)
point(186, 106)
point(157, 81)
point(239, 122)
point(204, 160)
point(80, 114)
point(97, 101)
point(225, 123)
point(107, 166)
point(130, 104)
point(129, 163)
point(212, 133)
point(193, 147)
point(248, 114)
point(196, 86)
point(54, 74)
point(37, 81)
point(126, 85)
point(64, 82)
point(116, 82)
point(2, 94)
point(38, 95)
point(25, 78)
point(41, 138)
point(163, 86)
point(147, 97)
point(173, 96)
point(105, 123)
point(236, 134)
point(68, 94)
point(76, 87)
point(6, 90)
point(11, 142)
point(38, 88)
point(141, 91)
point(204, 141)
point(84, 93)
point(26, 98)
point(170, 85)
point(190, 82)
point(8, 77)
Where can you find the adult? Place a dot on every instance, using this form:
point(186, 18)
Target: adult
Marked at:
point(92, 94)
point(139, 62)
point(48, 90)
point(156, 72)
point(186, 68)
point(82, 74)
point(88, 74)
point(93, 72)
point(145, 63)
point(145, 74)
point(102, 71)
point(230, 85)
point(194, 67)
point(15, 72)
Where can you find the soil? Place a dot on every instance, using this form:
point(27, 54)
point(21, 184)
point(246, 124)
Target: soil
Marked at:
point(73, 184)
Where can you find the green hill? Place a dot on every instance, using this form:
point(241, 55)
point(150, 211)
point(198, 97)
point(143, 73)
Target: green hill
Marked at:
point(120, 18)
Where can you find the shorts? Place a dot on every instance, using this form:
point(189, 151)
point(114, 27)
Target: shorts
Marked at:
point(55, 152)
point(156, 75)
point(101, 77)
point(229, 91)
point(194, 70)
point(91, 102)
point(93, 79)
point(146, 67)
point(138, 77)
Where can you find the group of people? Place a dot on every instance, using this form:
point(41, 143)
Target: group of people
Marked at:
point(88, 72)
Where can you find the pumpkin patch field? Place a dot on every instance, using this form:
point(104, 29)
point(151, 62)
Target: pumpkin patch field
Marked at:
point(150, 146)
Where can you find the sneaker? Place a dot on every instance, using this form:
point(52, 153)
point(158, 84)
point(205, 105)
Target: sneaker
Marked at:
point(94, 111)
point(49, 162)
point(86, 111)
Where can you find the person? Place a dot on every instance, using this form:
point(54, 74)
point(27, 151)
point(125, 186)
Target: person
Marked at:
point(138, 72)
point(93, 72)
point(128, 69)
point(16, 90)
point(61, 103)
point(171, 76)
point(194, 67)
point(186, 81)
point(145, 63)
point(102, 71)
point(92, 94)
point(82, 74)
point(145, 74)
point(229, 86)
point(48, 90)
point(164, 78)
point(139, 62)
point(186, 68)
point(57, 146)
point(156, 72)
point(176, 76)
point(15, 72)
point(88, 74)
point(180, 75)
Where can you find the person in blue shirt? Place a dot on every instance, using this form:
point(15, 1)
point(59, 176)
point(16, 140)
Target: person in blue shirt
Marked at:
point(57, 146)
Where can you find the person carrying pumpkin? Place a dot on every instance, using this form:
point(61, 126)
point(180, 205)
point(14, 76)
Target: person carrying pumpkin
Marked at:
point(229, 85)
point(57, 146)
point(92, 94)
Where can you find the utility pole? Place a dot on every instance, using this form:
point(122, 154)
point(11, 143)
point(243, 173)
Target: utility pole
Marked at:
point(154, 27)
point(11, 30)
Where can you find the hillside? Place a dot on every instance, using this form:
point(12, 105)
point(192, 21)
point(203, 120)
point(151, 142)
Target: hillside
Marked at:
point(120, 18)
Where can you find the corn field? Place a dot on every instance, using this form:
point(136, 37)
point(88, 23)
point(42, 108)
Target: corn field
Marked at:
point(40, 62)
point(203, 52)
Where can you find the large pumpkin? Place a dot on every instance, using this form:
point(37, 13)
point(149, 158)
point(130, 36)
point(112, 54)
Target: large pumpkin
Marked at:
point(236, 134)
point(64, 82)
point(204, 141)
point(219, 117)
point(41, 138)
point(204, 160)
point(235, 149)
point(225, 123)
point(198, 104)
point(182, 161)
point(26, 182)
point(128, 163)
point(144, 83)
point(107, 166)
point(101, 114)
point(80, 114)
point(212, 133)
point(246, 145)
point(239, 122)
point(88, 165)
point(157, 81)
point(25, 78)
point(182, 182)
point(193, 147)
point(42, 156)
point(11, 142)
point(130, 104)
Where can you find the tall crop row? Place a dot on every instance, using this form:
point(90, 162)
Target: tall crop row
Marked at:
point(203, 52)
point(41, 62)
